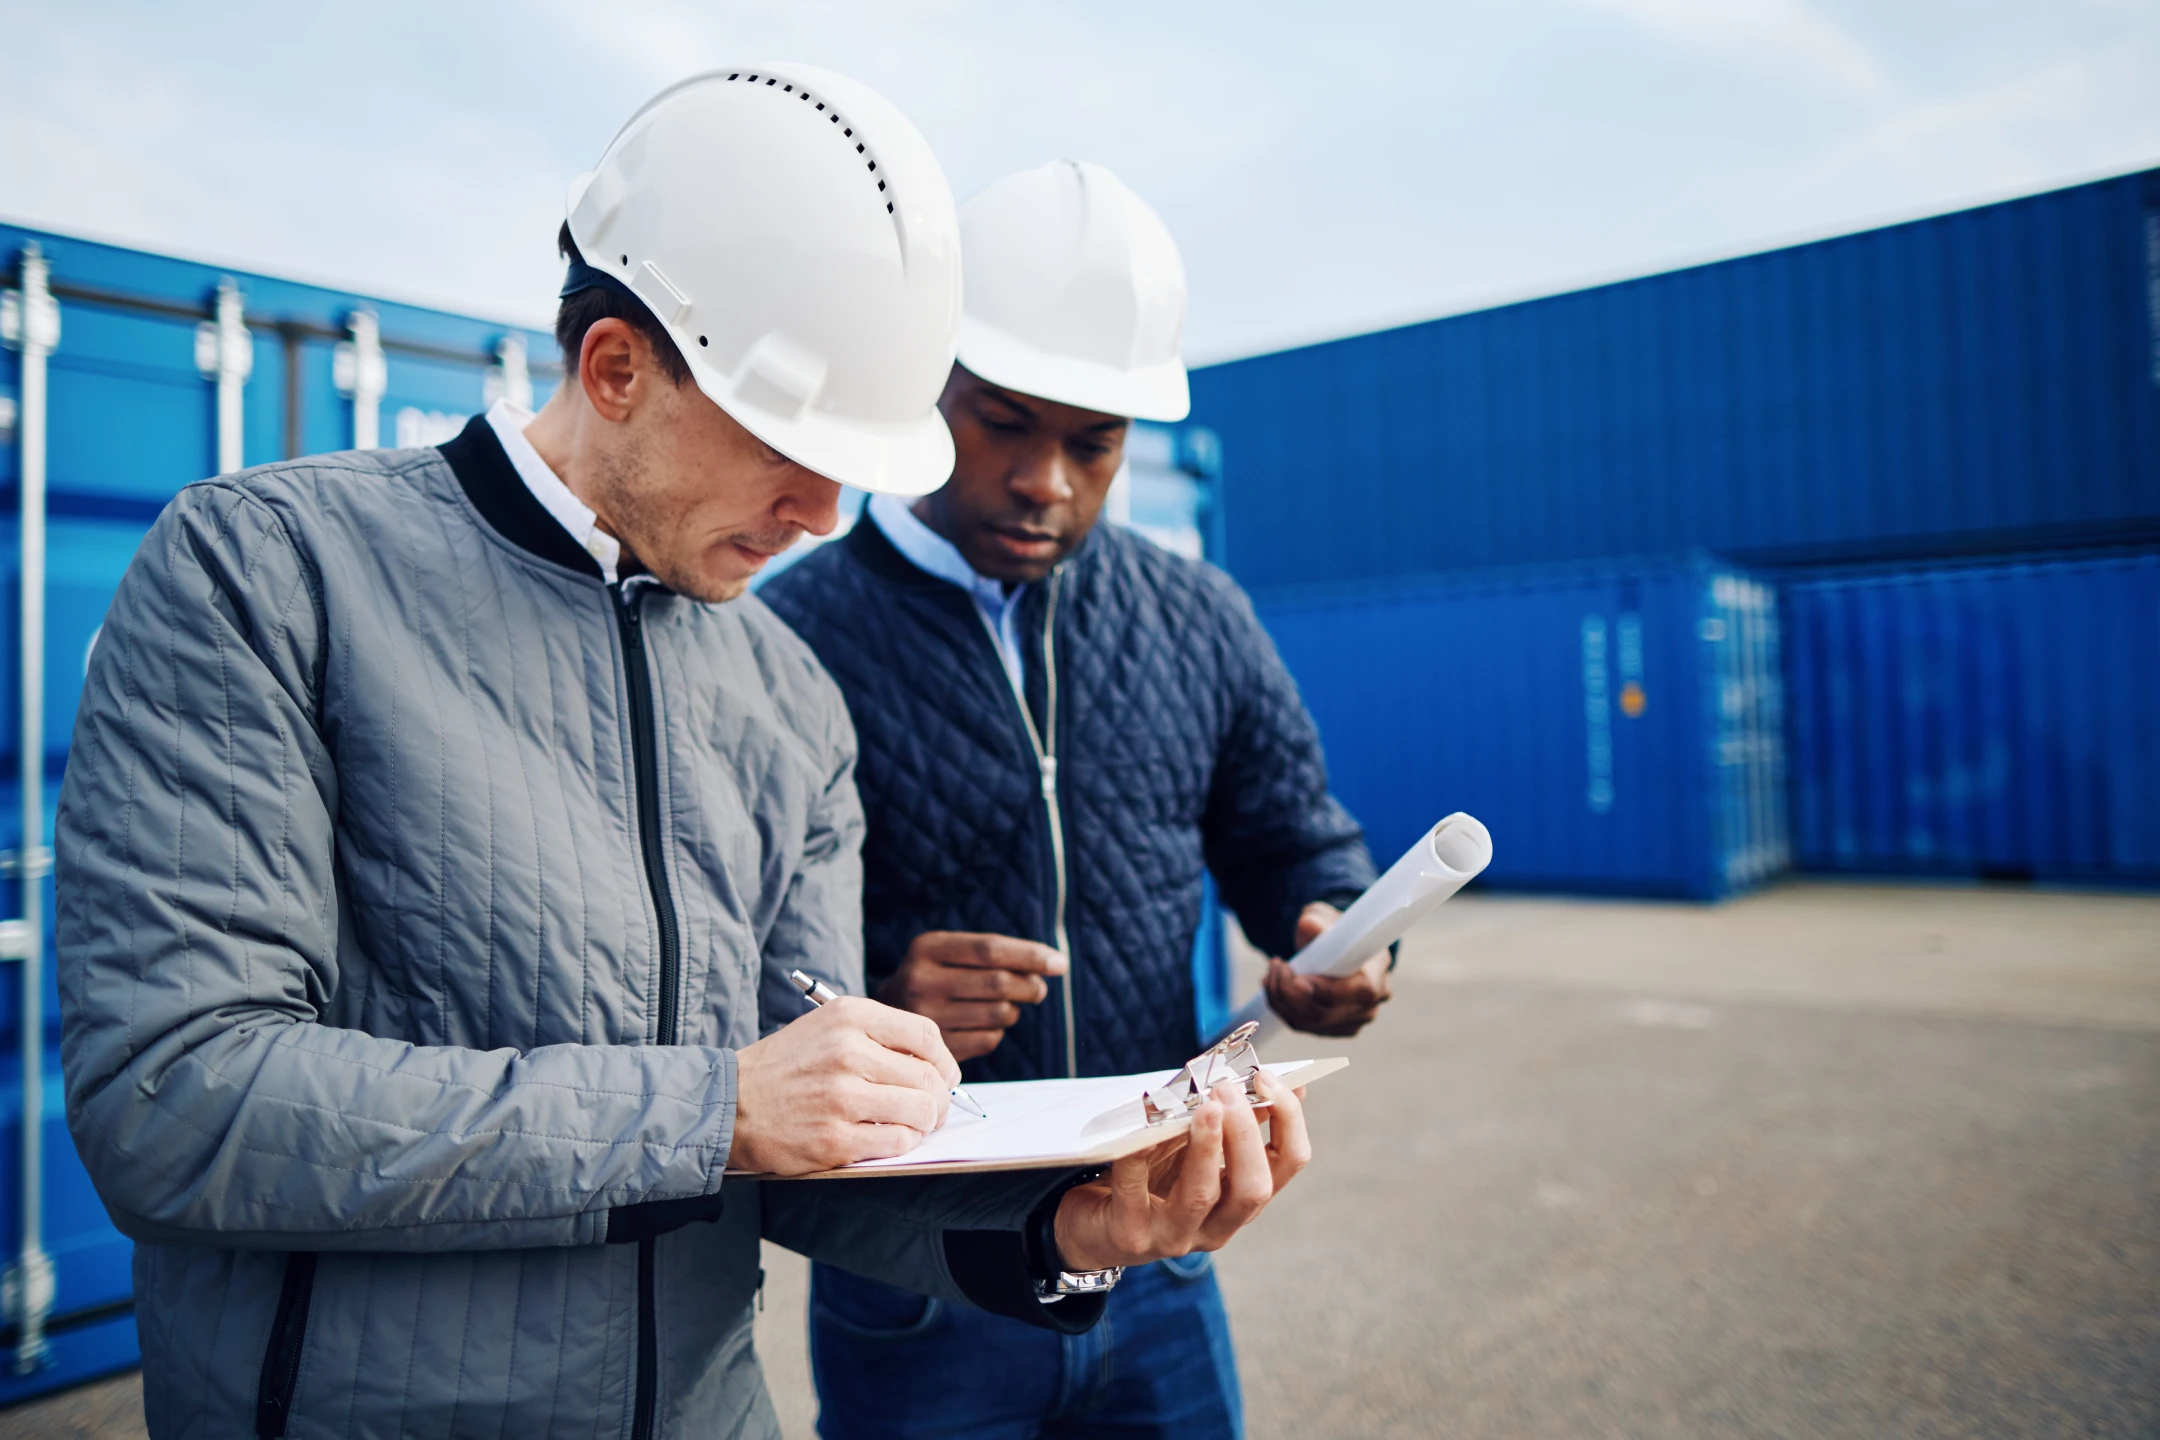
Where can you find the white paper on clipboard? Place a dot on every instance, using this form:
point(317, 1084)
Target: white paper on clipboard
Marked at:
point(1050, 1124)
point(1445, 858)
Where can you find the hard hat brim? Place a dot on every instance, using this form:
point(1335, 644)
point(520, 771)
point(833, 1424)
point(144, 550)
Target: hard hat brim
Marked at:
point(909, 459)
point(1154, 392)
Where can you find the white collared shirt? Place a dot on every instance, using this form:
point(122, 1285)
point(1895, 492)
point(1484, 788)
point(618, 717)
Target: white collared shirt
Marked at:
point(934, 554)
point(509, 422)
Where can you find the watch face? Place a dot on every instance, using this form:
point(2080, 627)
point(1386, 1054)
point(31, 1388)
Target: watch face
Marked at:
point(1086, 1282)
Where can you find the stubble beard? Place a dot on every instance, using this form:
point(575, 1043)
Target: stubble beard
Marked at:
point(644, 524)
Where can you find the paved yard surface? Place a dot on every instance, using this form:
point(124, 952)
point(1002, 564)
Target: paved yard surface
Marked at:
point(1829, 1161)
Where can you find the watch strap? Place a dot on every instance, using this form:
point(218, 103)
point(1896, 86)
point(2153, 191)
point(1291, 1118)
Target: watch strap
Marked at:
point(1039, 1238)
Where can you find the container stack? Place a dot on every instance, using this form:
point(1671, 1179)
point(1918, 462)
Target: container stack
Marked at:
point(2000, 720)
point(160, 372)
point(1931, 452)
point(1625, 718)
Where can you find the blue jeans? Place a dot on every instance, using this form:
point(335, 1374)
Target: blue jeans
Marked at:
point(892, 1365)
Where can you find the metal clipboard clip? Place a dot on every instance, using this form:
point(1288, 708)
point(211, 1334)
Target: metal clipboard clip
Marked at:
point(1231, 1059)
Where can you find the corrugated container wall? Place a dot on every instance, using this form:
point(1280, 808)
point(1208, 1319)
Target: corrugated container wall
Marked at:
point(1997, 721)
point(1981, 381)
point(1617, 728)
point(133, 415)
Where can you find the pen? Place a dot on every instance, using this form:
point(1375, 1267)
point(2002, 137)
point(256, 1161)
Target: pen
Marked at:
point(817, 992)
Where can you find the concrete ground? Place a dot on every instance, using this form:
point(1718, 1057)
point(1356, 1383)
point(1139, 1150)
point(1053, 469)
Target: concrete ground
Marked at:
point(1832, 1160)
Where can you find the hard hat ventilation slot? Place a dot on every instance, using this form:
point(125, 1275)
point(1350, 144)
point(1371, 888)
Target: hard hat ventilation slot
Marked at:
point(846, 131)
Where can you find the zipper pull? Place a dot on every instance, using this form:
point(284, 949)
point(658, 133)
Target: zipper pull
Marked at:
point(1049, 776)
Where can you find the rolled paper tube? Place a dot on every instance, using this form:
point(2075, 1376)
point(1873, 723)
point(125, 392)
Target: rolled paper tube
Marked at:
point(1445, 858)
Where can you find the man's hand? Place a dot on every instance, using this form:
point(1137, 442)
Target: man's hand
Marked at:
point(972, 985)
point(1326, 1004)
point(1143, 1211)
point(852, 1080)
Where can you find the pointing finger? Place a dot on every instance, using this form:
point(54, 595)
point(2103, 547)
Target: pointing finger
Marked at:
point(973, 1015)
point(967, 983)
point(992, 952)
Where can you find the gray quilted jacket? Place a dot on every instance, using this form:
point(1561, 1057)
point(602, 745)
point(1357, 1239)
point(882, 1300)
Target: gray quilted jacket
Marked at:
point(416, 888)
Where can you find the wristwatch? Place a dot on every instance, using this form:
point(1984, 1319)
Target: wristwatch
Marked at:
point(1046, 1268)
point(1078, 1282)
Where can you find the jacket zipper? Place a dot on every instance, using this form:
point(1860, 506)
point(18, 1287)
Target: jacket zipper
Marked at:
point(1044, 743)
point(644, 742)
point(288, 1336)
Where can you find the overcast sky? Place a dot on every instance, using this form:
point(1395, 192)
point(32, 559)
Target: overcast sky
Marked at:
point(1327, 167)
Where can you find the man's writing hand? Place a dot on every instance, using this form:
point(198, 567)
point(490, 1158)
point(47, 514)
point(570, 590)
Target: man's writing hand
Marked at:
point(852, 1080)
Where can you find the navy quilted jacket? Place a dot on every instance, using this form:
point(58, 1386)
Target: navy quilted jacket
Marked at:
point(1181, 746)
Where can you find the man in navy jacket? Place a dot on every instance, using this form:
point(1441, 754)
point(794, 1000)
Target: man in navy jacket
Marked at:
point(1062, 727)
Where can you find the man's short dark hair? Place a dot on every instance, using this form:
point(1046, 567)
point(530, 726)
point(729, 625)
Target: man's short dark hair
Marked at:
point(578, 313)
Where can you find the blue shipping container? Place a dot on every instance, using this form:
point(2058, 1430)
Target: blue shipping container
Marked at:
point(1996, 721)
point(1617, 728)
point(1981, 381)
point(133, 414)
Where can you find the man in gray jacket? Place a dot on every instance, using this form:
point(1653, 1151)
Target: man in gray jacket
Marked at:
point(441, 826)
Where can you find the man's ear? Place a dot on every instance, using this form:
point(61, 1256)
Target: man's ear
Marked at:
point(610, 363)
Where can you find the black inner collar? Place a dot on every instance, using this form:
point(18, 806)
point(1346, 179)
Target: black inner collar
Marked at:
point(874, 550)
point(499, 493)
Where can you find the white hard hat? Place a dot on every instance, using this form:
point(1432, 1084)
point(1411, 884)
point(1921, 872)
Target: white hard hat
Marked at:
point(1075, 293)
point(795, 236)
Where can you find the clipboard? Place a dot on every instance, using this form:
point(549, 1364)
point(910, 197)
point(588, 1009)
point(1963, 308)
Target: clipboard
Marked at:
point(1075, 1124)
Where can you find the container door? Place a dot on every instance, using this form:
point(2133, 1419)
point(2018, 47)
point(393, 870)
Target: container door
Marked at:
point(1989, 721)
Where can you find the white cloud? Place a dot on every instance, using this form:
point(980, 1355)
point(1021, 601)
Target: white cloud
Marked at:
point(2008, 124)
point(2057, 121)
point(1785, 31)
